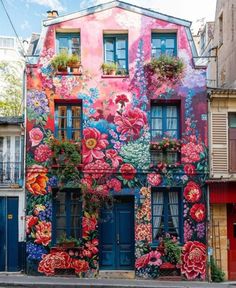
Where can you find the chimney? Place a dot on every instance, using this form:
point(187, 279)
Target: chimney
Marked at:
point(52, 14)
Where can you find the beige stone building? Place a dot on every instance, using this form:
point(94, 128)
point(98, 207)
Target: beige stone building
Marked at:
point(222, 137)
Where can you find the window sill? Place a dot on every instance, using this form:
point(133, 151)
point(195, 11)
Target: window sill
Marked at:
point(68, 74)
point(115, 76)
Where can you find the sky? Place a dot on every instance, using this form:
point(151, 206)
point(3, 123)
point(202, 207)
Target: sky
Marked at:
point(27, 15)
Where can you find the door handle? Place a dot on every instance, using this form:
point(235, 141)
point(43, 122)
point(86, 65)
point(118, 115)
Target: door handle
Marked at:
point(118, 239)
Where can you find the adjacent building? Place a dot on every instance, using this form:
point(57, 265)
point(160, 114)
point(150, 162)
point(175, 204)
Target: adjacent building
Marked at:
point(222, 115)
point(143, 133)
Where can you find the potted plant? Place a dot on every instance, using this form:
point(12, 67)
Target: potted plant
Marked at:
point(68, 242)
point(109, 68)
point(166, 67)
point(65, 162)
point(60, 62)
point(74, 63)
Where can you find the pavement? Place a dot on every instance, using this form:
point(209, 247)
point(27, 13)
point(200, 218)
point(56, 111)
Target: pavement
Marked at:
point(23, 281)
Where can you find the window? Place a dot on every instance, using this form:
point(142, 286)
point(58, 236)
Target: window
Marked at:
point(68, 121)
point(116, 51)
point(167, 215)
point(164, 44)
point(68, 43)
point(232, 141)
point(164, 123)
point(221, 29)
point(67, 214)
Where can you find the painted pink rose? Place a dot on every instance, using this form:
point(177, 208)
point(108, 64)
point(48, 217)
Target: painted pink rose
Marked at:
point(131, 122)
point(113, 156)
point(98, 169)
point(114, 184)
point(194, 260)
point(127, 171)
point(154, 179)
point(93, 144)
point(191, 152)
point(189, 169)
point(36, 136)
point(155, 258)
point(42, 153)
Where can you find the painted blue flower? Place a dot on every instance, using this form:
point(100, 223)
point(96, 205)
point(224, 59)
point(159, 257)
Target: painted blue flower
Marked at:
point(37, 101)
point(35, 251)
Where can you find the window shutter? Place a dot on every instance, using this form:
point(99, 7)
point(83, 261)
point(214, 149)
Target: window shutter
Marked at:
point(232, 149)
point(219, 145)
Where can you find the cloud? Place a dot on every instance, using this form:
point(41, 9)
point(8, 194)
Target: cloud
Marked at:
point(53, 4)
point(25, 25)
point(88, 3)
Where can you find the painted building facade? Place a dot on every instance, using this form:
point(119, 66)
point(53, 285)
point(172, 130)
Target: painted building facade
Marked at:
point(143, 139)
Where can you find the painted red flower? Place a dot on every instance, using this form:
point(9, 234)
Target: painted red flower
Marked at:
point(113, 156)
point(122, 99)
point(43, 233)
point(30, 222)
point(197, 212)
point(155, 258)
point(92, 246)
point(79, 265)
point(52, 261)
point(191, 152)
point(42, 153)
point(36, 136)
point(89, 223)
point(127, 171)
point(154, 179)
point(192, 192)
point(194, 260)
point(98, 169)
point(114, 184)
point(189, 169)
point(131, 122)
point(93, 144)
point(142, 261)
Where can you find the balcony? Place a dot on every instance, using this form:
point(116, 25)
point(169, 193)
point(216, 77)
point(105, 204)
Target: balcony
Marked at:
point(11, 174)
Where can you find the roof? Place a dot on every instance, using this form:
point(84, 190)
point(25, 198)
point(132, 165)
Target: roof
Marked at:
point(120, 4)
point(11, 120)
point(221, 91)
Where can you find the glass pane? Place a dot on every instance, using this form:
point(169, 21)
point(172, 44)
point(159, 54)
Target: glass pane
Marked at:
point(121, 54)
point(156, 111)
point(121, 44)
point(110, 56)
point(61, 111)
point(171, 124)
point(76, 135)
point(156, 43)
point(62, 134)
point(75, 211)
point(232, 120)
point(63, 45)
point(122, 64)
point(156, 157)
point(170, 43)
point(172, 157)
point(171, 111)
point(75, 45)
point(170, 52)
point(76, 111)
point(157, 124)
point(109, 45)
point(156, 135)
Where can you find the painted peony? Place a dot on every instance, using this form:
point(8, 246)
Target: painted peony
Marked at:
point(197, 212)
point(98, 169)
point(189, 169)
point(154, 179)
point(79, 265)
point(131, 122)
point(114, 184)
point(36, 180)
point(127, 171)
point(142, 261)
point(43, 233)
point(36, 136)
point(42, 153)
point(192, 192)
point(89, 223)
point(93, 144)
point(112, 155)
point(52, 261)
point(194, 260)
point(30, 222)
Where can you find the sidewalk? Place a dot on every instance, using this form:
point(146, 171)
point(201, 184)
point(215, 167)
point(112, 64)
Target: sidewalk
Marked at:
point(23, 281)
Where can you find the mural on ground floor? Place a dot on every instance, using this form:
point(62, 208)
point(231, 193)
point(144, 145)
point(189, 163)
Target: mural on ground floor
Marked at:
point(116, 156)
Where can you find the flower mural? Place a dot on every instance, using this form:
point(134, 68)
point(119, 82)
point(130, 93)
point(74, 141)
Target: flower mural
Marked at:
point(116, 161)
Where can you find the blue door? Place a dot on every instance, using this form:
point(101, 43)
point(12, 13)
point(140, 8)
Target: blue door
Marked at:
point(116, 236)
point(9, 234)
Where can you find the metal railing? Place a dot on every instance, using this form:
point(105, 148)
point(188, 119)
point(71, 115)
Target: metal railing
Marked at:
point(11, 173)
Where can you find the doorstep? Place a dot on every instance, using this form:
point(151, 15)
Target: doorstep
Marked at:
point(116, 274)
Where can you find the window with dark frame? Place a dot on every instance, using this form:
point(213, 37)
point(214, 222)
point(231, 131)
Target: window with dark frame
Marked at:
point(67, 214)
point(68, 43)
point(164, 43)
point(232, 141)
point(68, 121)
point(164, 123)
point(116, 51)
point(167, 213)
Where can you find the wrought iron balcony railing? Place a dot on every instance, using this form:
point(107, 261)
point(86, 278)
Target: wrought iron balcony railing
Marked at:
point(11, 173)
